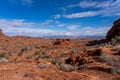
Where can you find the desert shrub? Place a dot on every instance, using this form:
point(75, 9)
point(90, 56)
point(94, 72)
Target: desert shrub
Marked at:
point(115, 40)
point(4, 59)
point(117, 37)
point(63, 55)
point(37, 52)
point(29, 57)
point(38, 57)
point(67, 68)
point(31, 75)
point(83, 66)
point(109, 59)
point(58, 61)
point(20, 54)
point(2, 55)
point(24, 49)
point(116, 48)
point(104, 57)
point(42, 65)
point(74, 51)
point(112, 61)
point(115, 70)
point(38, 47)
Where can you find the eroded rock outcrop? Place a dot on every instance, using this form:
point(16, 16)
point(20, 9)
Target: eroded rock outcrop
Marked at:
point(1, 33)
point(63, 42)
point(114, 31)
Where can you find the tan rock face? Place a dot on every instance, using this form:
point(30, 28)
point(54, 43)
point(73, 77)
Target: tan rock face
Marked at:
point(114, 31)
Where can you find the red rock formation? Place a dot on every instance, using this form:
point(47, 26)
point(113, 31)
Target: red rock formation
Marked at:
point(1, 33)
point(63, 42)
point(114, 31)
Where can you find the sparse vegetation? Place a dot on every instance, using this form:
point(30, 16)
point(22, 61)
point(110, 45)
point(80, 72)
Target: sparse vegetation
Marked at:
point(29, 57)
point(115, 40)
point(116, 48)
point(42, 65)
point(111, 60)
point(3, 58)
point(61, 57)
point(2, 55)
point(67, 68)
point(23, 50)
point(31, 75)
point(37, 52)
point(58, 61)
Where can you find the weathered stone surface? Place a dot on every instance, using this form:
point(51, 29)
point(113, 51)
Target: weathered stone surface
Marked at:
point(114, 31)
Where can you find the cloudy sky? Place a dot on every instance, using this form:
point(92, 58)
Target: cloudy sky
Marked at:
point(58, 17)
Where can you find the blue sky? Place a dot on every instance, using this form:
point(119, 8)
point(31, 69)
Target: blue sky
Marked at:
point(39, 18)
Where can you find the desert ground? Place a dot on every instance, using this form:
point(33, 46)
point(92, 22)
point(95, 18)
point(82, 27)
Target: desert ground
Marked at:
point(27, 58)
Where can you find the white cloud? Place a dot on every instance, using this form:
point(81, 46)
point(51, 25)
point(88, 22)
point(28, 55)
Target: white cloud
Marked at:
point(61, 25)
point(83, 4)
point(89, 3)
point(112, 10)
point(28, 2)
point(21, 27)
point(73, 27)
point(46, 22)
point(57, 16)
point(39, 32)
point(28, 32)
point(103, 8)
point(15, 23)
point(81, 14)
point(22, 2)
point(90, 31)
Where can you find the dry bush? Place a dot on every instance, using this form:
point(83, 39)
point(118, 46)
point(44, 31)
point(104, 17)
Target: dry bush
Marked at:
point(67, 68)
point(112, 61)
point(42, 65)
point(116, 48)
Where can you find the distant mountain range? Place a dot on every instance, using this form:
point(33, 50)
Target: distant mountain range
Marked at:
point(65, 36)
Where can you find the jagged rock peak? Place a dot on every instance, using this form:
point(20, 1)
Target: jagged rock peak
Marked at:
point(114, 31)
